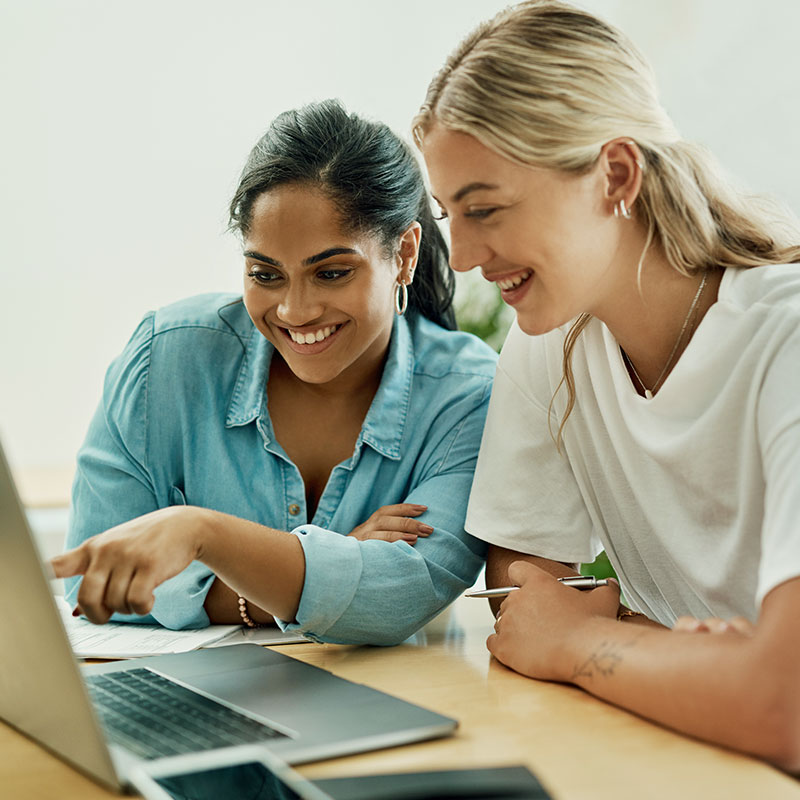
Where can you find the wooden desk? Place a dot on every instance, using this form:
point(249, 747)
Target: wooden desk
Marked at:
point(579, 747)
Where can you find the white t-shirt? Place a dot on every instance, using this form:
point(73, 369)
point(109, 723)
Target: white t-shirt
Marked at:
point(695, 493)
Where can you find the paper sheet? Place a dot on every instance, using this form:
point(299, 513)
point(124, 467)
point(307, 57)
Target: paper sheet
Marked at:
point(129, 640)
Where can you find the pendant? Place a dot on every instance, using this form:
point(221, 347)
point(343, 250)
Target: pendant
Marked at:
point(648, 395)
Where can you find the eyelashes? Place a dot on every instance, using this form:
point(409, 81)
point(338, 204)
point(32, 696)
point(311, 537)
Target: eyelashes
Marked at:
point(263, 277)
point(478, 213)
point(330, 275)
point(324, 276)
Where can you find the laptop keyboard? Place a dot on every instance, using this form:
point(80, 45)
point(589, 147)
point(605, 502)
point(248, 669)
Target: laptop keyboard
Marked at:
point(155, 717)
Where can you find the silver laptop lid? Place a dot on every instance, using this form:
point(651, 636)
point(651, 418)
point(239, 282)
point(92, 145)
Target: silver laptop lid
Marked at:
point(41, 691)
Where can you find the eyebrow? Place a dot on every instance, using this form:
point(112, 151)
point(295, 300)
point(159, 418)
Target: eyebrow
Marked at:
point(471, 187)
point(311, 260)
point(329, 253)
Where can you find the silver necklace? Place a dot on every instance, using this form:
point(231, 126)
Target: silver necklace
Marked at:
point(648, 393)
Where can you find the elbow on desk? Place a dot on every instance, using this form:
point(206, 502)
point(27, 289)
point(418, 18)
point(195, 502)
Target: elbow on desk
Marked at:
point(770, 719)
point(783, 734)
point(378, 637)
point(376, 632)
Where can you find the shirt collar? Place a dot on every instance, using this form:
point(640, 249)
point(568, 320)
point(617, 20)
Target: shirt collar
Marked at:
point(386, 419)
point(248, 398)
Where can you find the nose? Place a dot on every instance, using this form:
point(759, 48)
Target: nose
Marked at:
point(299, 305)
point(466, 249)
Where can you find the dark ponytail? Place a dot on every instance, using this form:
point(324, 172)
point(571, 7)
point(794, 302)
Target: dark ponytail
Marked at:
point(373, 177)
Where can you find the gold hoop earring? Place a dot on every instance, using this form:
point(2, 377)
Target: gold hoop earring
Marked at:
point(400, 298)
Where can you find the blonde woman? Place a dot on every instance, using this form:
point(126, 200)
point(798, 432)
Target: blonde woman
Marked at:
point(647, 400)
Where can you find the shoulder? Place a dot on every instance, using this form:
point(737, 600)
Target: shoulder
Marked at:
point(534, 364)
point(757, 316)
point(215, 311)
point(439, 353)
point(774, 289)
point(206, 331)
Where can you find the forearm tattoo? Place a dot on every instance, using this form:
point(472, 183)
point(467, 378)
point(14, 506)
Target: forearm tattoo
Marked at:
point(603, 662)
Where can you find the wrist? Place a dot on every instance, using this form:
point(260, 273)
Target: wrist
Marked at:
point(575, 647)
point(590, 651)
point(203, 527)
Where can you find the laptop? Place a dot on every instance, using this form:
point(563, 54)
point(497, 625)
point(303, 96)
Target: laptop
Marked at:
point(221, 701)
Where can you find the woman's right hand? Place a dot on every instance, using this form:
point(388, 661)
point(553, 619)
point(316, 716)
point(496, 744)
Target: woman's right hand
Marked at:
point(394, 523)
point(123, 566)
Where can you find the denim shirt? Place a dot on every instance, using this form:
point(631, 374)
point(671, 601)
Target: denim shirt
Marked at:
point(184, 420)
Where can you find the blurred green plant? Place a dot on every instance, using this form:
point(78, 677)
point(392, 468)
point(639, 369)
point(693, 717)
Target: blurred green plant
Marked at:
point(481, 310)
point(600, 567)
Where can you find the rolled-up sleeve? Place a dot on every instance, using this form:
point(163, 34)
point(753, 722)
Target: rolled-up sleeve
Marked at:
point(377, 592)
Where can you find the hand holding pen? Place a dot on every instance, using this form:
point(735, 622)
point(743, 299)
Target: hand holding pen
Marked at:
point(537, 629)
point(582, 582)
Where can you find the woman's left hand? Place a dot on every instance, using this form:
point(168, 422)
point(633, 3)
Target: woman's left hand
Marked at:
point(123, 566)
point(535, 624)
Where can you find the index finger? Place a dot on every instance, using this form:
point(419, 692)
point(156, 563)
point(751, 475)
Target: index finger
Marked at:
point(402, 510)
point(73, 562)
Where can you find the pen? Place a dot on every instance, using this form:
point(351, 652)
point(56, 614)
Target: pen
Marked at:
point(582, 582)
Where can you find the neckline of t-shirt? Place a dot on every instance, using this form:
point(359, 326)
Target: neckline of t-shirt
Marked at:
point(622, 370)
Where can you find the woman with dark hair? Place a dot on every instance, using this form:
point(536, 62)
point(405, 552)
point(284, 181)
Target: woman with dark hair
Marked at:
point(305, 452)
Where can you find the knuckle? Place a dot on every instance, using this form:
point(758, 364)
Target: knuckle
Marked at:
point(140, 603)
point(91, 583)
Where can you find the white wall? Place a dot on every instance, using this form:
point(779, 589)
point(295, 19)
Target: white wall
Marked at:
point(124, 127)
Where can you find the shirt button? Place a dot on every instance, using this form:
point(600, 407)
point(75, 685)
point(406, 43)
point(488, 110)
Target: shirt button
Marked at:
point(294, 509)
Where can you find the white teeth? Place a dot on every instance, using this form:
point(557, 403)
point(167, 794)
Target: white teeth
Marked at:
point(510, 283)
point(310, 338)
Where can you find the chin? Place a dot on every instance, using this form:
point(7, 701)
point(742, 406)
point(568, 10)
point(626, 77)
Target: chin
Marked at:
point(314, 376)
point(532, 326)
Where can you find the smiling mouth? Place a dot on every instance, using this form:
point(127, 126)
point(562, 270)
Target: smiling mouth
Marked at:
point(512, 283)
point(312, 337)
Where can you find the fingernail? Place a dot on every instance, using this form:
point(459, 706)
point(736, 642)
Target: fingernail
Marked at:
point(421, 508)
point(76, 612)
point(410, 537)
point(425, 528)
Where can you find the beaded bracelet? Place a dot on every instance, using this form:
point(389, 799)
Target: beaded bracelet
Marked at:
point(245, 616)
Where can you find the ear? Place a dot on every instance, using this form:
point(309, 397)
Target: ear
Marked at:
point(408, 252)
point(621, 163)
